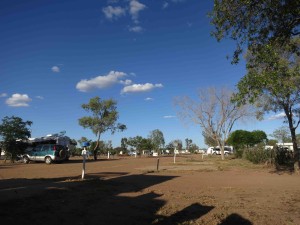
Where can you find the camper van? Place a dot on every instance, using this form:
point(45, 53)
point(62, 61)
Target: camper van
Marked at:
point(217, 151)
point(58, 139)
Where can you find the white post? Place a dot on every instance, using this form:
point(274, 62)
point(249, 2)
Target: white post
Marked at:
point(83, 153)
point(175, 155)
point(107, 154)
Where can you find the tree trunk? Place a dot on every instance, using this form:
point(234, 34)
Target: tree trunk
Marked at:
point(296, 151)
point(294, 140)
point(96, 147)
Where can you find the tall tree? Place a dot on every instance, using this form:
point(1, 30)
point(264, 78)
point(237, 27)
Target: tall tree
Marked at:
point(254, 24)
point(272, 82)
point(188, 143)
point(258, 136)
point(244, 138)
point(240, 139)
point(214, 112)
point(140, 143)
point(282, 134)
point(124, 144)
point(157, 139)
point(104, 118)
point(13, 129)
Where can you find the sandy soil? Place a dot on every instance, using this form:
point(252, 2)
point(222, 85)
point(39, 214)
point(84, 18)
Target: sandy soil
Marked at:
point(131, 191)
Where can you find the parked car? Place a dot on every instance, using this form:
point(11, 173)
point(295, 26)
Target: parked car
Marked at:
point(45, 152)
point(227, 151)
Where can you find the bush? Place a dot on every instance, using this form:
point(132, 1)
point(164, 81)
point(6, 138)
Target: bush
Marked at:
point(284, 157)
point(258, 155)
point(238, 153)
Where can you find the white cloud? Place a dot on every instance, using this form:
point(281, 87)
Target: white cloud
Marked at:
point(149, 99)
point(18, 100)
point(111, 12)
point(165, 5)
point(169, 117)
point(136, 29)
point(126, 82)
point(135, 8)
point(101, 82)
point(140, 87)
point(55, 69)
point(3, 95)
point(39, 97)
point(277, 116)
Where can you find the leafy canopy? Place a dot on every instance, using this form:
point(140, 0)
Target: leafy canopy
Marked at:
point(104, 117)
point(255, 23)
point(13, 129)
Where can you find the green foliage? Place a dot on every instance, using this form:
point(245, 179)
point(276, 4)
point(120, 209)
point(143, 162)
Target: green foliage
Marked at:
point(140, 143)
point(98, 147)
point(283, 157)
point(272, 82)
point(124, 144)
point(84, 139)
point(239, 152)
point(13, 129)
point(272, 142)
point(239, 138)
point(258, 136)
point(157, 139)
point(282, 134)
point(253, 24)
point(242, 138)
point(104, 118)
point(188, 143)
point(193, 148)
point(257, 155)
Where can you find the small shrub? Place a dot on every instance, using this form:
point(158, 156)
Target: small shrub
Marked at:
point(238, 153)
point(283, 157)
point(257, 155)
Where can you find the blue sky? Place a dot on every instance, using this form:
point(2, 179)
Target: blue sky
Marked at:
point(57, 54)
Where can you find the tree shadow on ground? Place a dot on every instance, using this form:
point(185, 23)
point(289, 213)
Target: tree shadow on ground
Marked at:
point(102, 198)
point(235, 219)
point(190, 213)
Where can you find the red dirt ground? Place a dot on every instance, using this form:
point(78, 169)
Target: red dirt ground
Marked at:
point(131, 191)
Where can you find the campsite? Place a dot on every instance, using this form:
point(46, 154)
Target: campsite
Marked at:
point(129, 190)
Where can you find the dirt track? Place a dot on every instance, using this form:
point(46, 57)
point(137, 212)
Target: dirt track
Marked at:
point(131, 191)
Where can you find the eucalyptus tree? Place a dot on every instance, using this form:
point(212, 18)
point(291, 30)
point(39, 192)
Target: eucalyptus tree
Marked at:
point(272, 83)
point(254, 24)
point(124, 144)
point(215, 112)
point(13, 129)
point(140, 143)
point(188, 143)
point(282, 134)
point(157, 139)
point(104, 118)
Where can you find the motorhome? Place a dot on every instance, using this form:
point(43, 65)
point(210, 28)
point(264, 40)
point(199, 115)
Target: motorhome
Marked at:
point(59, 139)
point(217, 150)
